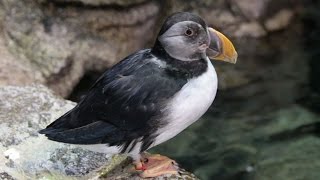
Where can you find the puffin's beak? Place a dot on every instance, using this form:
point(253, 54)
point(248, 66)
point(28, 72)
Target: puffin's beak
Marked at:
point(220, 47)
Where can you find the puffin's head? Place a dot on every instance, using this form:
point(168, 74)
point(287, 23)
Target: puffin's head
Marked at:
point(185, 36)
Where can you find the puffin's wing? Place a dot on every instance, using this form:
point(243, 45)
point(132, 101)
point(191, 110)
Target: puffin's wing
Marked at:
point(123, 105)
point(93, 133)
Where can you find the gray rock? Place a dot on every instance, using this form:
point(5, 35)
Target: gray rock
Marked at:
point(57, 42)
point(24, 154)
point(251, 9)
point(60, 43)
point(103, 2)
point(279, 21)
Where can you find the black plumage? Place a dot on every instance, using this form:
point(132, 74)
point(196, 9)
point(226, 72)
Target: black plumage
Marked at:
point(126, 104)
point(123, 105)
point(150, 96)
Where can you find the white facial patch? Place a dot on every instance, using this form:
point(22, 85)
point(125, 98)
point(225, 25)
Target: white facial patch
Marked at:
point(177, 44)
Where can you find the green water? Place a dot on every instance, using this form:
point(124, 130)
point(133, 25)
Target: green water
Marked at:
point(282, 144)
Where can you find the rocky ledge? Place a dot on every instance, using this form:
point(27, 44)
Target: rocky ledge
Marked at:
point(24, 154)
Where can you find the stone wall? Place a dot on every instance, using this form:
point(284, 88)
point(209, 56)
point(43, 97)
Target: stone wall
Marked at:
point(56, 42)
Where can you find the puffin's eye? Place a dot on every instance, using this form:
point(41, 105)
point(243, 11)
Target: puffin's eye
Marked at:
point(189, 32)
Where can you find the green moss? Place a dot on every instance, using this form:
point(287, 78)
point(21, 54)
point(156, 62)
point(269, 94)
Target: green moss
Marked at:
point(116, 160)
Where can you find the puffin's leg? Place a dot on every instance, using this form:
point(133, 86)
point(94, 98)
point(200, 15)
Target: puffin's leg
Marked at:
point(156, 165)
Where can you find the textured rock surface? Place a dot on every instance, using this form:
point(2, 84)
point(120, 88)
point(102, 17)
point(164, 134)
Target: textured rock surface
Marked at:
point(59, 41)
point(24, 154)
point(103, 2)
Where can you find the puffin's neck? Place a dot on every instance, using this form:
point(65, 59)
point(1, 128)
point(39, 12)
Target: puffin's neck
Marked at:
point(179, 68)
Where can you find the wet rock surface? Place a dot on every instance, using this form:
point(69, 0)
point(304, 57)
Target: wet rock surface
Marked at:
point(25, 154)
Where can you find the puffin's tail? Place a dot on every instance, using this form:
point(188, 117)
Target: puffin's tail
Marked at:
point(61, 130)
point(59, 125)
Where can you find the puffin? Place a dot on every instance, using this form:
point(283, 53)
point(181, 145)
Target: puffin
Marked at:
point(150, 96)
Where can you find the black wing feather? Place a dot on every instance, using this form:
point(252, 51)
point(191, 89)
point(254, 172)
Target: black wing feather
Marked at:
point(121, 106)
point(93, 133)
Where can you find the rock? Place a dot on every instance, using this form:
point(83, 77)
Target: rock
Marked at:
point(103, 2)
point(59, 41)
point(25, 154)
point(6, 176)
point(251, 9)
point(122, 171)
point(13, 71)
point(279, 21)
point(251, 29)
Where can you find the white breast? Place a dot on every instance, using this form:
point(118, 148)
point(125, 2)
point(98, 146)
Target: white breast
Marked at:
point(189, 104)
point(186, 107)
